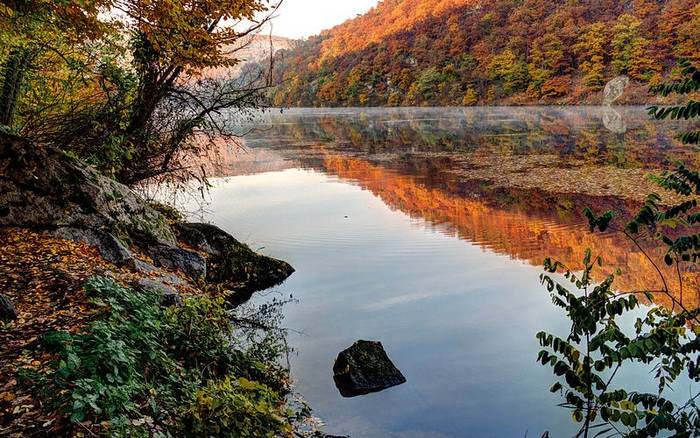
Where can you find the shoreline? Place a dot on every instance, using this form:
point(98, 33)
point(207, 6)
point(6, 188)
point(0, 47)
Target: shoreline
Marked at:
point(121, 315)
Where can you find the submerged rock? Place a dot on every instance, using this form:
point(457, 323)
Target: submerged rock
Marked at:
point(365, 368)
point(7, 309)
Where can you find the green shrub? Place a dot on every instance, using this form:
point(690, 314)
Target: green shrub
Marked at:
point(241, 405)
point(141, 369)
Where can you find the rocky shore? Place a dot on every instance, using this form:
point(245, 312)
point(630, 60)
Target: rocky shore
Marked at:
point(62, 224)
point(43, 189)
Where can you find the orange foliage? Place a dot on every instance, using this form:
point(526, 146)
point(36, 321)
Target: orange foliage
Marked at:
point(43, 276)
point(524, 236)
point(408, 52)
point(388, 17)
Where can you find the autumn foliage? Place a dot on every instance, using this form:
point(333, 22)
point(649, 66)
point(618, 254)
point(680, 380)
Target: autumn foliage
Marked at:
point(468, 52)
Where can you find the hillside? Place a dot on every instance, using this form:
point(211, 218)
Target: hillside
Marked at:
point(468, 52)
point(252, 49)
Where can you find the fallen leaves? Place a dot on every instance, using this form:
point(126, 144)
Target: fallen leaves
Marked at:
point(43, 276)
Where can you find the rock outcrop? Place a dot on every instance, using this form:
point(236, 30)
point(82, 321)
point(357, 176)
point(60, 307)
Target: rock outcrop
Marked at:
point(365, 368)
point(615, 89)
point(232, 263)
point(43, 188)
point(170, 296)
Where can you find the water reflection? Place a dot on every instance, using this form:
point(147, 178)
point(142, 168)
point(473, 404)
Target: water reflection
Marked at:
point(613, 121)
point(425, 229)
point(512, 180)
point(569, 133)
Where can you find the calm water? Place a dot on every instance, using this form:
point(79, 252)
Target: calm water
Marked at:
point(425, 229)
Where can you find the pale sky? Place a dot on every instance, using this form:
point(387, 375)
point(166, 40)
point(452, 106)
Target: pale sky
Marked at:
point(303, 18)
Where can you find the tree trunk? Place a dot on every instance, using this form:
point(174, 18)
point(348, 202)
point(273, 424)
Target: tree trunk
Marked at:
point(14, 71)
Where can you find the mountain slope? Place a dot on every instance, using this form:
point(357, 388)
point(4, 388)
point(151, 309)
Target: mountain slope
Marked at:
point(466, 52)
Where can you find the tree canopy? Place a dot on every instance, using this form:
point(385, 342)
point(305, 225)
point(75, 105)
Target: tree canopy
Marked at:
point(507, 51)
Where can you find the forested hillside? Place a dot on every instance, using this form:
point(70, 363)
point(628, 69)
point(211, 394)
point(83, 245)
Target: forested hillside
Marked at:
point(468, 52)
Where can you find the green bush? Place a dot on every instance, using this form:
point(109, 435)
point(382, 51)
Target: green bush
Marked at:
point(141, 369)
point(247, 407)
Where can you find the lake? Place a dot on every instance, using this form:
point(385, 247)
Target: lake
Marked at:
point(426, 229)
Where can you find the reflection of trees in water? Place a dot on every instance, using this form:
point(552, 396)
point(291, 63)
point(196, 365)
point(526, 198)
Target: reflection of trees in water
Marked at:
point(571, 133)
point(407, 157)
point(518, 228)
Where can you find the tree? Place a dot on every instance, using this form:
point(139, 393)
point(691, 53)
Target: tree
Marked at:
point(38, 34)
point(172, 42)
point(688, 35)
point(666, 341)
point(471, 97)
point(510, 71)
point(546, 61)
point(592, 55)
point(631, 54)
point(427, 86)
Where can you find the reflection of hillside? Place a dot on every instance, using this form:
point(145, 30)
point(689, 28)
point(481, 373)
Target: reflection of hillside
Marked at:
point(568, 133)
point(560, 150)
point(522, 236)
point(232, 159)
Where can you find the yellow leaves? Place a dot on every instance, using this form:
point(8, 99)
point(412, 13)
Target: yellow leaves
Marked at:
point(627, 405)
point(6, 11)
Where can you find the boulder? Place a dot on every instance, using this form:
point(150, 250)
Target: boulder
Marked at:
point(177, 259)
point(189, 234)
point(7, 309)
point(365, 368)
point(231, 263)
point(170, 297)
point(109, 247)
point(42, 187)
point(615, 89)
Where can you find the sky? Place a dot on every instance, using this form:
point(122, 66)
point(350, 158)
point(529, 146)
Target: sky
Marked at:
point(304, 18)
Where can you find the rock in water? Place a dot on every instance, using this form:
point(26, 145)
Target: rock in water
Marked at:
point(365, 368)
point(233, 264)
point(615, 89)
point(7, 309)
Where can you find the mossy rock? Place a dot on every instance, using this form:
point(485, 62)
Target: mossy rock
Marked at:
point(42, 187)
point(231, 263)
